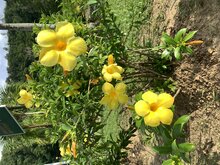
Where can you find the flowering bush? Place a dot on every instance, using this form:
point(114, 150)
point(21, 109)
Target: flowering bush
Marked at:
point(70, 98)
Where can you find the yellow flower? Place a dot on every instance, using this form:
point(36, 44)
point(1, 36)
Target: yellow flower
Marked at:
point(68, 151)
point(155, 108)
point(73, 149)
point(113, 96)
point(64, 151)
point(60, 46)
point(25, 98)
point(112, 71)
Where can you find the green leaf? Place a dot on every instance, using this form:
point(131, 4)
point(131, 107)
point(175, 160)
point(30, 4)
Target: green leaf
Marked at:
point(65, 127)
point(178, 126)
point(175, 148)
point(167, 39)
point(138, 96)
point(165, 134)
point(188, 50)
point(138, 122)
point(182, 120)
point(179, 35)
point(187, 147)
point(189, 36)
point(162, 149)
point(165, 54)
point(177, 53)
point(178, 131)
point(168, 162)
point(91, 2)
point(185, 157)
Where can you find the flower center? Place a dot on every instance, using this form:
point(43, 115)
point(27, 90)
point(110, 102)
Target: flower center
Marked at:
point(110, 70)
point(153, 106)
point(113, 94)
point(60, 45)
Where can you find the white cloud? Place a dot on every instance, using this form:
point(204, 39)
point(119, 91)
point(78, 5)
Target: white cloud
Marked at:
point(2, 83)
point(3, 39)
point(3, 43)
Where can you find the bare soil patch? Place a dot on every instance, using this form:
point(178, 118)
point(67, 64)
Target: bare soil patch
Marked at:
point(199, 79)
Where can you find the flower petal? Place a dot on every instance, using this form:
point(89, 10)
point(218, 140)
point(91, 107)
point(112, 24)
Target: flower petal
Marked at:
point(150, 97)
point(67, 61)
point(28, 104)
point(122, 98)
point(117, 76)
point(50, 58)
point(109, 102)
point(77, 46)
point(165, 100)
point(142, 108)
point(113, 104)
point(120, 87)
point(152, 119)
point(107, 88)
point(62, 151)
point(46, 38)
point(68, 151)
point(105, 100)
point(110, 59)
point(104, 69)
point(21, 100)
point(29, 96)
point(43, 51)
point(22, 92)
point(107, 77)
point(165, 115)
point(121, 70)
point(64, 30)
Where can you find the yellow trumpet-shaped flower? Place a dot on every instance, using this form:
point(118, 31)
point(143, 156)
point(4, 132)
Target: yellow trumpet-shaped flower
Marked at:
point(113, 96)
point(73, 149)
point(25, 98)
point(65, 151)
point(155, 108)
point(68, 151)
point(60, 46)
point(112, 71)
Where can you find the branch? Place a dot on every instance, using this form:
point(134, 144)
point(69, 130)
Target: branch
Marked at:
point(37, 126)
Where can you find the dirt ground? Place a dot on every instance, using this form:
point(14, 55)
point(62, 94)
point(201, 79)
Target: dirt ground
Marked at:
point(197, 77)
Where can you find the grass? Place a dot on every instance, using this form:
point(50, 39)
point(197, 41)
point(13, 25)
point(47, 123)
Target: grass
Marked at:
point(131, 16)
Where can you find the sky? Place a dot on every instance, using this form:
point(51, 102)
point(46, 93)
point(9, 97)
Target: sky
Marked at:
point(3, 44)
point(3, 61)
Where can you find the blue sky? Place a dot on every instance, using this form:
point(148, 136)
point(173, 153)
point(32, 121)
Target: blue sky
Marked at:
point(3, 61)
point(3, 44)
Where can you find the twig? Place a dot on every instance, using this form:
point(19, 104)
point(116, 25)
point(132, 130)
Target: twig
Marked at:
point(177, 92)
point(38, 126)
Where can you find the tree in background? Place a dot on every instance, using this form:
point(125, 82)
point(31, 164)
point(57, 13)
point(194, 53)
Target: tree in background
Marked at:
point(26, 155)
